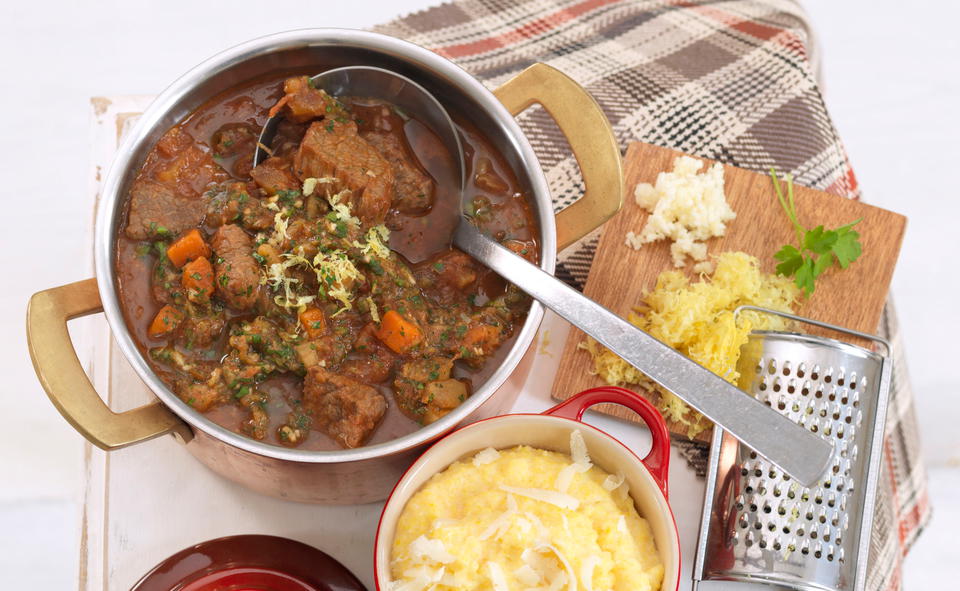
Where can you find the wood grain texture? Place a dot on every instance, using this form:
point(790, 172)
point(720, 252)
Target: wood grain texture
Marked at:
point(853, 298)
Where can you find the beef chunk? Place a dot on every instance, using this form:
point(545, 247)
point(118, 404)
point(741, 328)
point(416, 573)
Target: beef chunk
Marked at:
point(452, 272)
point(303, 102)
point(174, 141)
point(334, 149)
point(233, 138)
point(375, 362)
point(156, 210)
point(413, 188)
point(341, 407)
point(182, 165)
point(274, 175)
point(233, 204)
point(237, 273)
point(200, 329)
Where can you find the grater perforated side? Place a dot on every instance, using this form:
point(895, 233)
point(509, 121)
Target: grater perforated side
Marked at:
point(758, 525)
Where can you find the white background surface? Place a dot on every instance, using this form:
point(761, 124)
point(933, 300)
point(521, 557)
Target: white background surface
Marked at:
point(892, 84)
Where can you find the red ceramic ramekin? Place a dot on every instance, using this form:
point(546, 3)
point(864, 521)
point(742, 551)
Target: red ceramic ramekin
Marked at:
point(647, 477)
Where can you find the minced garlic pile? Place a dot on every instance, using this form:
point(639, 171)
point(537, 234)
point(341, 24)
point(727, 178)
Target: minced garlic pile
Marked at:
point(697, 320)
point(684, 207)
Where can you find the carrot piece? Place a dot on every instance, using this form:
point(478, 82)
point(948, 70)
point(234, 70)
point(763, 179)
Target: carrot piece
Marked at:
point(398, 333)
point(314, 322)
point(188, 247)
point(197, 277)
point(481, 337)
point(166, 320)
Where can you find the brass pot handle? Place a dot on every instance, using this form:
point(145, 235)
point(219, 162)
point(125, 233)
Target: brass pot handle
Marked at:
point(69, 388)
point(587, 129)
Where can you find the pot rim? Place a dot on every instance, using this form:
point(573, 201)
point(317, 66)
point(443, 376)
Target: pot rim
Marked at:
point(652, 486)
point(107, 221)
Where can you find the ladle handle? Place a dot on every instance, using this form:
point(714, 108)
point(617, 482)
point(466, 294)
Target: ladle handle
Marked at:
point(799, 452)
point(591, 139)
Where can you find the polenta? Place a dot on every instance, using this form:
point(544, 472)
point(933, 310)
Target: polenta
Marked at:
point(524, 519)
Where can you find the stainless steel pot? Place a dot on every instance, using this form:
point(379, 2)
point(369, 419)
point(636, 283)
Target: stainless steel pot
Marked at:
point(348, 476)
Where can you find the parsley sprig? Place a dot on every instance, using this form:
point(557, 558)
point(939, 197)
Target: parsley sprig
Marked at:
point(818, 248)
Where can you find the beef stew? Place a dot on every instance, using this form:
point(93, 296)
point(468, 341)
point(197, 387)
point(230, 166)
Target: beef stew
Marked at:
point(275, 299)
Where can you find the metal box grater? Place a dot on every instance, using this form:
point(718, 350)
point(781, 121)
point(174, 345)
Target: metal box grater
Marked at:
point(760, 526)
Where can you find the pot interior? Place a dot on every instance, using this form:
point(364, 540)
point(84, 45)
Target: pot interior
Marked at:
point(314, 51)
point(544, 432)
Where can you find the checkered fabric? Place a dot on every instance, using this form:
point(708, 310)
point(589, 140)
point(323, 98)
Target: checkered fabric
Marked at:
point(727, 80)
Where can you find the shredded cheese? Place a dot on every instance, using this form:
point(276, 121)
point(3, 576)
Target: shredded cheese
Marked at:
point(543, 534)
point(586, 571)
point(497, 579)
point(571, 575)
point(612, 483)
point(581, 461)
point(485, 456)
point(526, 575)
point(564, 501)
point(427, 549)
point(500, 525)
point(578, 450)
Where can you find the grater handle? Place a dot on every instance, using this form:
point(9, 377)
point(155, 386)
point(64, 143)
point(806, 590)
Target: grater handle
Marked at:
point(820, 323)
point(657, 461)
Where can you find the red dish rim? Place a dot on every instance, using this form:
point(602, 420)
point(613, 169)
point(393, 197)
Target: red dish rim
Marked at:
point(251, 558)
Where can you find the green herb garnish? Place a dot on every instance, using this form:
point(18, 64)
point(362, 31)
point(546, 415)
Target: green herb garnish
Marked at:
point(818, 248)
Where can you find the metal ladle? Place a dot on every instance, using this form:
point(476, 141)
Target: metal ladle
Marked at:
point(800, 453)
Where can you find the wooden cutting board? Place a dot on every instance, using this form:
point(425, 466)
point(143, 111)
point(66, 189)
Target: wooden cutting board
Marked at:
point(853, 298)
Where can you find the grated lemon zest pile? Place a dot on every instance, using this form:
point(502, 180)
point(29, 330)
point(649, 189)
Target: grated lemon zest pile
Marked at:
point(375, 242)
point(310, 184)
point(697, 320)
point(336, 274)
point(342, 209)
point(374, 310)
point(281, 222)
point(277, 278)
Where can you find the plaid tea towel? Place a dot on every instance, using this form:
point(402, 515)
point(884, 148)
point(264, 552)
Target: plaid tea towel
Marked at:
point(727, 80)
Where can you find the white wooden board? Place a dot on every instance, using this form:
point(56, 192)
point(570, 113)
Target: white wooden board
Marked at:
point(146, 502)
